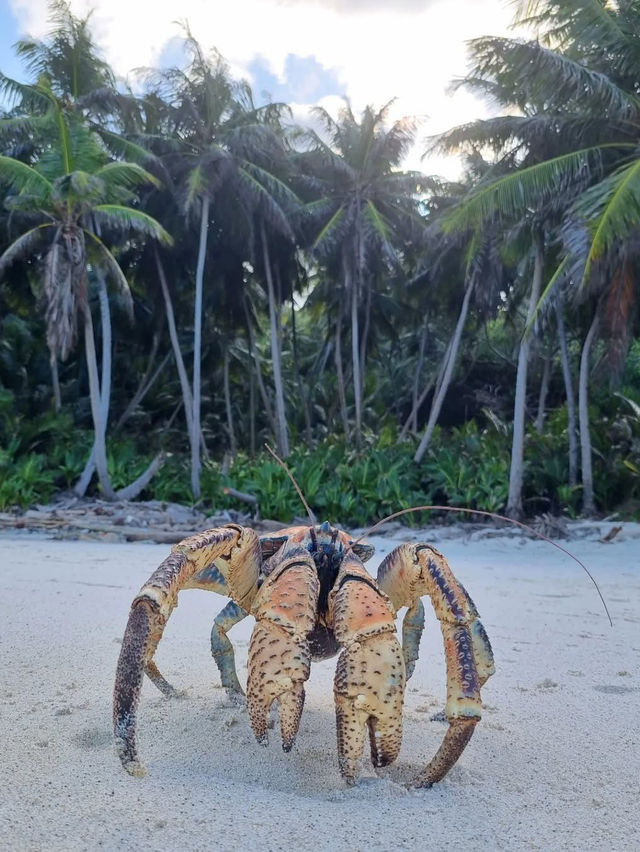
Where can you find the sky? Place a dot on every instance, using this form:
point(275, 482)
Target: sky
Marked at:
point(303, 52)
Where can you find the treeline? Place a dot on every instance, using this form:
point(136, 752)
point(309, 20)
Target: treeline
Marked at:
point(186, 275)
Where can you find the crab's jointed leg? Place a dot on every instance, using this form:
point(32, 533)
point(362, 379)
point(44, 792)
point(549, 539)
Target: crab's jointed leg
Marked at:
point(225, 560)
point(412, 629)
point(412, 570)
point(279, 654)
point(370, 675)
point(222, 649)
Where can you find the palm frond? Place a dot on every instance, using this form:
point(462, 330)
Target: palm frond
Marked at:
point(538, 132)
point(510, 196)
point(328, 234)
point(125, 175)
point(126, 218)
point(24, 178)
point(196, 186)
point(114, 271)
point(547, 78)
point(585, 26)
point(121, 146)
point(380, 227)
point(31, 98)
point(611, 209)
point(24, 245)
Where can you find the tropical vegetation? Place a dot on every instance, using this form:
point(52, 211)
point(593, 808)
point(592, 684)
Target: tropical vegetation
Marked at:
point(235, 279)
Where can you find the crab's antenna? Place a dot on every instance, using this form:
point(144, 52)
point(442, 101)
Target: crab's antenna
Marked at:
point(312, 517)
point(489, 515)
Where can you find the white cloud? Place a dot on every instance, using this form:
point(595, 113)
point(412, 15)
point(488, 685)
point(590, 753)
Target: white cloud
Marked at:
point(377, 51)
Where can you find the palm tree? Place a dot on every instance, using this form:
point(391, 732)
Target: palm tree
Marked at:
point(576, 141)
point(65, 197)
point(85, 86)
point(361, 209)
point(222, 141)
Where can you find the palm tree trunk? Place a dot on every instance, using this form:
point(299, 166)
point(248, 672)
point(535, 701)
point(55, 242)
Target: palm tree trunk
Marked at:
point(233, 448)
point(99, 411)
point(571, 400)
point(252, 415)
point(145, 385)
point(55, 382)
point(80, 488)
point(282, 437)
point(197, 350)
point(514, 501)
point(544, 390)
point(446, 374)
point(413, 420)
point(302, 390)
point(355, 361)
point(175, 345)
point(97, 408)
point(342, 396)
point(425, 393)
point(255, 358)
point(365, 336)
point(588, 501)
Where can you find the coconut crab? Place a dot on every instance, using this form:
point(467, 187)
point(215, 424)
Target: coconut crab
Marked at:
point(312, 597)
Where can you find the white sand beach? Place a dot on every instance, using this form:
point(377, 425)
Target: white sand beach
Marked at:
point(553, 765)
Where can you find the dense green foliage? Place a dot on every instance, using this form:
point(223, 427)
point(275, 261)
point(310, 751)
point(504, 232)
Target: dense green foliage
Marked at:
point(331, 284)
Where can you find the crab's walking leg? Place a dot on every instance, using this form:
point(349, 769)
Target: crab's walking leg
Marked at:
point(154, 675)
point(370, 675)
point(405, 574)
point(225, 560)
point(279, 655)
point(222, 649)
point(412, 629)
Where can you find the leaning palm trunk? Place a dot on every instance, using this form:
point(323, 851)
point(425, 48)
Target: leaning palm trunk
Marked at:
point(365, 335)
point(412, 420)
point(175, 345)
point(342, 396)
point(413, 414)
point(55, 382)
point(514, 501)
point(588, 501)
point(233, 448)
point(571, 401)
point(197, 350)
point(257, 370)
point(282, 437)
point(99, 412)
point(355, 361)
point(99, 421)
point(302, 390)
point(544, 390)
point(449, 364)
point(86, 476)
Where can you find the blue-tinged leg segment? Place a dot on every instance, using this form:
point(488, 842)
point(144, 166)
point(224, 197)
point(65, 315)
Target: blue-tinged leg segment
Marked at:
point(412, 628)
point(222, 649)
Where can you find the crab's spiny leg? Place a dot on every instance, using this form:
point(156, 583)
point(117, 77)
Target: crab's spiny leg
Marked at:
point(370, 675)
point(279, 655)
point(412, 628)
point(405, 574)
point(128, 684)
point(152, 671)
point(228, 556)
point(222, 649)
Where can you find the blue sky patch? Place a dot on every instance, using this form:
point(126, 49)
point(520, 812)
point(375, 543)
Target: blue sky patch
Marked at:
point(306, 81)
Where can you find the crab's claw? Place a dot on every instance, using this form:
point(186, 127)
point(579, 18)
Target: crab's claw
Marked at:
point(370, 676)
point(223, 559)
point(279, 655)
point(129, 676)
